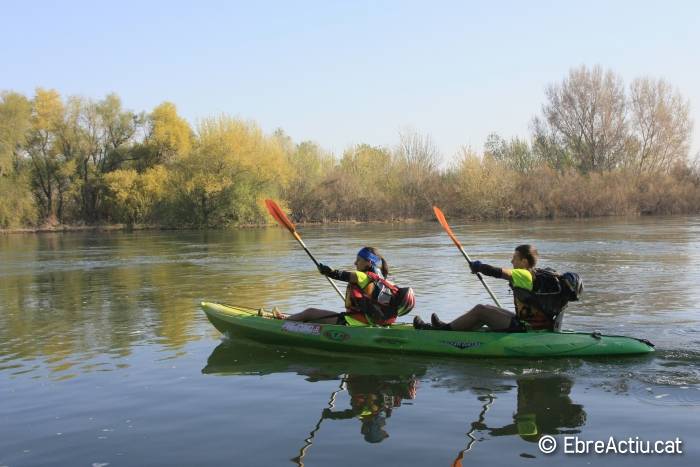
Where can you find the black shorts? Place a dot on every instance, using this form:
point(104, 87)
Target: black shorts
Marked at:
point(341, 319)
point(516, 326)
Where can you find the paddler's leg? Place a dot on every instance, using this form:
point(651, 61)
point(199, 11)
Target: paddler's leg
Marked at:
point(497, 319)
point(312, 315)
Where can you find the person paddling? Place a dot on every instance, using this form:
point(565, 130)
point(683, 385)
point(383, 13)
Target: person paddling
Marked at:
point(367, 297)
point(528, 315)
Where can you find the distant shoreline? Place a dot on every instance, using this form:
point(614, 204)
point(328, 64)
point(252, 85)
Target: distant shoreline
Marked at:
point(102, 228)
point(126, 228)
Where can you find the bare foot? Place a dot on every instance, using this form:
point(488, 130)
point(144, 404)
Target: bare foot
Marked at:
point(277, 314)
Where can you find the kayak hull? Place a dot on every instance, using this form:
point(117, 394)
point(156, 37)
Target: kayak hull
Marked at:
point(402, 338)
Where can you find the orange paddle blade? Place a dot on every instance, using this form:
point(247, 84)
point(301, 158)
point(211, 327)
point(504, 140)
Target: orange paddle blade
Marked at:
point(441, 219)
point(279, 215)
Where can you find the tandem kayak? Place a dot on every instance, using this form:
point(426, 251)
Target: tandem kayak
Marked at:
point(402, 338)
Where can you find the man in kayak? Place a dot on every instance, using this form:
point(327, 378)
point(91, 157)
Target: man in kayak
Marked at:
point(521, 279)
point(365, 292)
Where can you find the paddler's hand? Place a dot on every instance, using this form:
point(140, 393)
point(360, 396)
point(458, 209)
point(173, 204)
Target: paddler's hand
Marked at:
point(486, 269)
point(475, 266)
point(334, 273)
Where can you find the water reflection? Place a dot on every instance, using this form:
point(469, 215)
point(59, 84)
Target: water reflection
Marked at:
point(377, 387)
point(119, 312)
point(65, 298)
point(372, 400)
point(544, 408)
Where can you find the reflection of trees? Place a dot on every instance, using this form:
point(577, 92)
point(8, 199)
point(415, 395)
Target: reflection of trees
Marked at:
point(70, 299)
point(69, 296)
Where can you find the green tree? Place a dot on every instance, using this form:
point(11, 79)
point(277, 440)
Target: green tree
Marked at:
point(134, 196)
point(107, 138)
point(309, 166)
point(47, 160)
point(514, 154)
point(17, 206)
point(231, 168)
point(547, 148)
point(358, 188)
point(15, 122)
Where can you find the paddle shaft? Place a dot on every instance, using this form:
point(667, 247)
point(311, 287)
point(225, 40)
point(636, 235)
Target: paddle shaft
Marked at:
point(330, 281)
point(478, 274)
point(443, 222)
point(299, 460)
point(472, 439)
point(279, 215)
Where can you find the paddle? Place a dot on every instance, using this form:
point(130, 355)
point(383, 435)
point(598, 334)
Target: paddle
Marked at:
point(279, 215)
point(299, 460)
point(472, 439)
point(441, 218)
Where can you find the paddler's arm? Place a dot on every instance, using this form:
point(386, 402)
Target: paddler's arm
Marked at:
point(491, 271)
point(344, 276)
point(521, 278)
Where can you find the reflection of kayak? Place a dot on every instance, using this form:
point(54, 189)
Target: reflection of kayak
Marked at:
point(243, 321)
point(247, 357)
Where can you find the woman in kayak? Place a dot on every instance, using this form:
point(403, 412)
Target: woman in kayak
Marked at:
point(499, 319)
point(361, 295)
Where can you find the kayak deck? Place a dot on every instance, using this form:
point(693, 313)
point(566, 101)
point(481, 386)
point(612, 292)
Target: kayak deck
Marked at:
point(402, 338)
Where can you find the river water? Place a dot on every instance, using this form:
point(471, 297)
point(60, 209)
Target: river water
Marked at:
point(107, 359)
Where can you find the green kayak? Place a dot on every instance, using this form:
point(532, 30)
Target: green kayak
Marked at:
point(402, 338)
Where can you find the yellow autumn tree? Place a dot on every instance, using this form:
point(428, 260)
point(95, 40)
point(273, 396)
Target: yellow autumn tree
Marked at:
point(233, 166)
point(45, 153)
point(133, 196)
point(170, 135)
point(17, 207)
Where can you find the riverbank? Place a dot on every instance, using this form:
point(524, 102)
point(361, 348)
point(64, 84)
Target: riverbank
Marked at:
point(128, 228)
point(102, 228)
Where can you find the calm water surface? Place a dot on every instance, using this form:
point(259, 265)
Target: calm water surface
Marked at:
point(107, 359)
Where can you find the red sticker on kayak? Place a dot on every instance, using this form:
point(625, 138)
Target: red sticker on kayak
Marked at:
point(302, 328)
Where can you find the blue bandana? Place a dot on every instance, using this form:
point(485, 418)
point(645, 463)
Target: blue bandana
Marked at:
point(367, 255)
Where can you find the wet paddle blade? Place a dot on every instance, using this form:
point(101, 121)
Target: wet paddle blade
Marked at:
point(441, 219)
point(279, 215)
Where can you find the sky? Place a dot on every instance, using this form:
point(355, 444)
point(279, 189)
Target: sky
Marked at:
point(343, 73)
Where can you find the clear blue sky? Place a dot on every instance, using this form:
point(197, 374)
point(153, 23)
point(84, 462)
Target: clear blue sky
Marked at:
point(347, 72)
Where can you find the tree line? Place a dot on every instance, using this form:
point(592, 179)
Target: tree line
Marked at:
point(597, 147)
